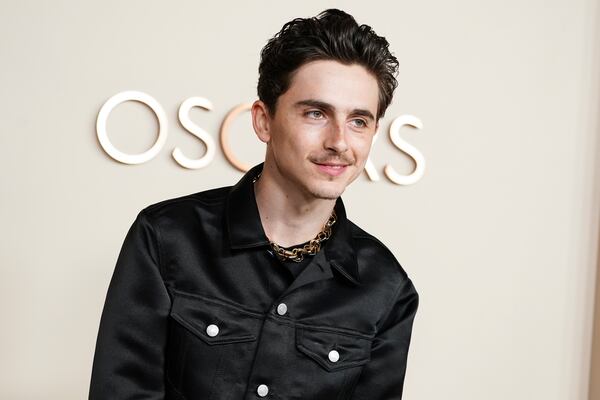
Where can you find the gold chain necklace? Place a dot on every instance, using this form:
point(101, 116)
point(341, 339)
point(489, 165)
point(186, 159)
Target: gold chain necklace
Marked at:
point(311, 248)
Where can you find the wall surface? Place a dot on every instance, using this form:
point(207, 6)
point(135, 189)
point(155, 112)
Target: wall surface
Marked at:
point(500, 236)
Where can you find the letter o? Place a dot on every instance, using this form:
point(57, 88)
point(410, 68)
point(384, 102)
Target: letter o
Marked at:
point(109, 148)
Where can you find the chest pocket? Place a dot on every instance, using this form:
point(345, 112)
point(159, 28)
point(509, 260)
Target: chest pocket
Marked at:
point(213, 321)
point(209, 339)
point(333, 350)
point(331, 361)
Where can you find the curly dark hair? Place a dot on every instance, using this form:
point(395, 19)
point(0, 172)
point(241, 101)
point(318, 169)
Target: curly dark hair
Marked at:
point(331, 35)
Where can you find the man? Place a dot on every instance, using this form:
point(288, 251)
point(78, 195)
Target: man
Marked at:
point(266, 289)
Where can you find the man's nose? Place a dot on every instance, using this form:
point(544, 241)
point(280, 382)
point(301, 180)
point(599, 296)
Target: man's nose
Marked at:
point(336, 138)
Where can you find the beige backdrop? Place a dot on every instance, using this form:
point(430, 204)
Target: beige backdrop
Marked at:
point(500, 236)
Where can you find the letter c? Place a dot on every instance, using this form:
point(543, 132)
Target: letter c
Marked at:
point(233, 160)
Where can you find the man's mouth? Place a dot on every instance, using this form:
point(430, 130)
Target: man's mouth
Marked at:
point(332, 169)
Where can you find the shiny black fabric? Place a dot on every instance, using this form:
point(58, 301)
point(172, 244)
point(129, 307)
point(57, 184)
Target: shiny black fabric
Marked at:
point(202, 259)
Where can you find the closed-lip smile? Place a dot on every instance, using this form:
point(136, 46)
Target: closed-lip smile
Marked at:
point(332, 169)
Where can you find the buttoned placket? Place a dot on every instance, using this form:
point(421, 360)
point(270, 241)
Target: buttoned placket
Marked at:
point(260, 382)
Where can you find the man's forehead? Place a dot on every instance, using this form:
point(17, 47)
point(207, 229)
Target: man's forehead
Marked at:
point(343, 87)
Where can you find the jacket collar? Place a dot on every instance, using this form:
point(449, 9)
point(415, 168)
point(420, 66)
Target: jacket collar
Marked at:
point(245, 228)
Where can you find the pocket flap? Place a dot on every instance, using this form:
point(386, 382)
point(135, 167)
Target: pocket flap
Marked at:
point(333, 350)
point(214, 321)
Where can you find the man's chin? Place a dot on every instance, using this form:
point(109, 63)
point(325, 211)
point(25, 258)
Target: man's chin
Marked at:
point(327, 193)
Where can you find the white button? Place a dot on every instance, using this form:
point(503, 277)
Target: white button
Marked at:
point(334, 356)
point(262, 390)
point(212, 330)
point(281, 309)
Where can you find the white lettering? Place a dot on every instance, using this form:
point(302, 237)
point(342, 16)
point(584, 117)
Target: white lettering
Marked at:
point(184, 118)
point(105, 142)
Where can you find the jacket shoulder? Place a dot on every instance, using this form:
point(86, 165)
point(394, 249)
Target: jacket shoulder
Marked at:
point(368, 244)
point(203, 199)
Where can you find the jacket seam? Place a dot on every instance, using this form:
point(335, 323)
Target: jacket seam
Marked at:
point(189, 197)
point(322, 328)
point(219, 302)
point(174, 388)
point(390, 307)
point(227, 340)
point(375, 240)
point(156, 240)
point(279, 320)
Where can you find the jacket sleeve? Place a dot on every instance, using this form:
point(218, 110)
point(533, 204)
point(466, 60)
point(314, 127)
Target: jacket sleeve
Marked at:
point(129, 357)
point(383, 377)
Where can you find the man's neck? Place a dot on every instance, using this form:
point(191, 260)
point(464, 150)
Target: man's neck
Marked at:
point(288, 216)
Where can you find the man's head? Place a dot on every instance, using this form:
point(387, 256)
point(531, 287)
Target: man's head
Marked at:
point(324, 83)
point(331, 35)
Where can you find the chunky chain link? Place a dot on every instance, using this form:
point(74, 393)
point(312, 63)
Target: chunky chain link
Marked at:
point(311, 248)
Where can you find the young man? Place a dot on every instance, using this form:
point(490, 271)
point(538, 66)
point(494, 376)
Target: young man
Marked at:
point(265, 289)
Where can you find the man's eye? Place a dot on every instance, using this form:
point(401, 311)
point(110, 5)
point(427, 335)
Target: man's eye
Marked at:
point(315, 114)
point(360, 123)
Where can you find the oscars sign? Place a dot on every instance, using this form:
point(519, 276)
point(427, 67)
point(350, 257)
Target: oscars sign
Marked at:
point(207, 139)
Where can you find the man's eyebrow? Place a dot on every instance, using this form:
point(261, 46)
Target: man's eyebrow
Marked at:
point(326, 106)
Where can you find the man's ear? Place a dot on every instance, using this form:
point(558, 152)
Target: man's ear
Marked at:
point(261, 121)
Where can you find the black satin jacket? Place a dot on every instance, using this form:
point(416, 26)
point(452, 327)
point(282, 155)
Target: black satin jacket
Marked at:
point(198, 308)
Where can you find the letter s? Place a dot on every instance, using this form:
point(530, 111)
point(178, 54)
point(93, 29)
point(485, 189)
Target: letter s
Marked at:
point(209, 155)
point(407, 148)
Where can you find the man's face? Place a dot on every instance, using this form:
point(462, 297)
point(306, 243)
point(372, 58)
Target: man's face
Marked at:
point(321, 134)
